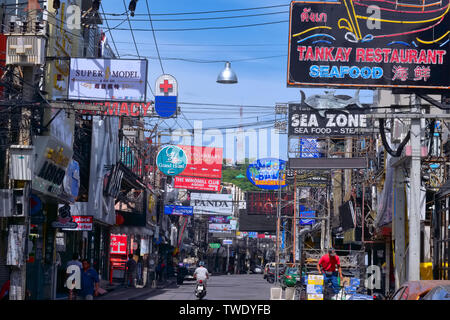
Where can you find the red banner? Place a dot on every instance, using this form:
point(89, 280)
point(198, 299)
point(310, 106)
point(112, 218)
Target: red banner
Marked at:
point(118, 244)
point(204, 162)
point(197, 183)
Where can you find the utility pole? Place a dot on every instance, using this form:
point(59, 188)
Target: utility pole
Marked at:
point(415, 183)
point(294, 233)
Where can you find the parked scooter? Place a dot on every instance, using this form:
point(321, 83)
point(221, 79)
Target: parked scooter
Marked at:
point(200, 289)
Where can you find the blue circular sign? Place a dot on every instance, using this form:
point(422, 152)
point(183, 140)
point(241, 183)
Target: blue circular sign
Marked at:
point(265, 173)
point(171, 160)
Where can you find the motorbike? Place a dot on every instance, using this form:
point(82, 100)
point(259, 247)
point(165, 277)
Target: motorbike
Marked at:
point(200, 290)
point(181, 273)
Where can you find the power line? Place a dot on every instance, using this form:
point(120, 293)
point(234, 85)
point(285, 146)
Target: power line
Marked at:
point(154, 36)
point(205, 61)
point(110, 33)
point(207, 28)
point(205, 12)
point(210, 18)
point(131, 29)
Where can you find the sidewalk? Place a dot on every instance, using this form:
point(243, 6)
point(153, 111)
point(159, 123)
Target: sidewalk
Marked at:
point(117, 291)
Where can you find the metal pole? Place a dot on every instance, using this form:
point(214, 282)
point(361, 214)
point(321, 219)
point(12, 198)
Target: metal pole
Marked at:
point(294, 235)
point(277, 258)
point(414, 214)
point(228, 258)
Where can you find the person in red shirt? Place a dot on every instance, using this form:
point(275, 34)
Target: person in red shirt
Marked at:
point(327, 266)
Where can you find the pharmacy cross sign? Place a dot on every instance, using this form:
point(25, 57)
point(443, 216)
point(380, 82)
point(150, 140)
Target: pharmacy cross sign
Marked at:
point(166, 98)
point(165, 86)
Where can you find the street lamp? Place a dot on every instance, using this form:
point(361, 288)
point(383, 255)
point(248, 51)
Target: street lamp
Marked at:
point(227, 76)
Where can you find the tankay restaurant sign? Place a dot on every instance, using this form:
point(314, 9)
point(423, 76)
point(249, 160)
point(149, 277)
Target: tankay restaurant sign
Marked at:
point(363, 44)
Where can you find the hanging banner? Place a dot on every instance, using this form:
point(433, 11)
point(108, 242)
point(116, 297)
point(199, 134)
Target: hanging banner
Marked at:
point(204, 162)
point(363, 44)
point(192, 183)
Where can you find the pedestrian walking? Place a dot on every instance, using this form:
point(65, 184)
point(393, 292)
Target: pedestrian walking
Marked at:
point(89, 281)
point(131, 270)
point(74, 262)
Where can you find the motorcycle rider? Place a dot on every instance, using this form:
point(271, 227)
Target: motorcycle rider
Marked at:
point(327, 266)
point(201, 273)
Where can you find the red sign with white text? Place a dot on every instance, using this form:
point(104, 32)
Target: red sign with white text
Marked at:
point(84, 223)
point(197, 183)
point(203, 162)
point(118, 244)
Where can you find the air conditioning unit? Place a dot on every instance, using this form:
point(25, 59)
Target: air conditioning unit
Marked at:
point(6, 203)
point(25, 50)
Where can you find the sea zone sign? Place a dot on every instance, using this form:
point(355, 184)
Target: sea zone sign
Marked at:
point(306, 122)
point(357, 44)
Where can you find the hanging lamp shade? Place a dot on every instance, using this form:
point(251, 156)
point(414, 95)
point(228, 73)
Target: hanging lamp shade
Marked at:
point(227, 75)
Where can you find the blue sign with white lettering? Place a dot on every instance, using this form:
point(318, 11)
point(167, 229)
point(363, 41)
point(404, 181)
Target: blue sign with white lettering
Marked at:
point(265, 173)
point(178, 210)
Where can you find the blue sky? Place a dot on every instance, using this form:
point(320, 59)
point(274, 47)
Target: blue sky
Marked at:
point(262, 82)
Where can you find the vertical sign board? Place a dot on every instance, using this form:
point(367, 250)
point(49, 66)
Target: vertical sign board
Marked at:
point(118, 244)
point(166, 96)
point(369, 44)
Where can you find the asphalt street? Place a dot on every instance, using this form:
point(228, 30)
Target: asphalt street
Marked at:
point(223, 287)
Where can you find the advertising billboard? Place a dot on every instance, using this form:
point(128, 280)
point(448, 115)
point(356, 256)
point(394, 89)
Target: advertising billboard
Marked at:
point(203, 162)
point(171, 160)
point(221, 227)
point(369, 44)
point(178, 210)
point(304, 121)
point(192, 183)
point(93, 79)
point(212, 204)
point(84, 223)
point(265, 203)
point(118, 244)
point(265, 173)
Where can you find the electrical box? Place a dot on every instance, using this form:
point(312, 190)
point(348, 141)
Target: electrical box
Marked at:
point(21, 203)
point(21, 162)
point(25, 50)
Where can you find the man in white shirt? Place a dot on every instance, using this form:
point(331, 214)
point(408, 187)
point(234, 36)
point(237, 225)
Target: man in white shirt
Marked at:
point(201, 273)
